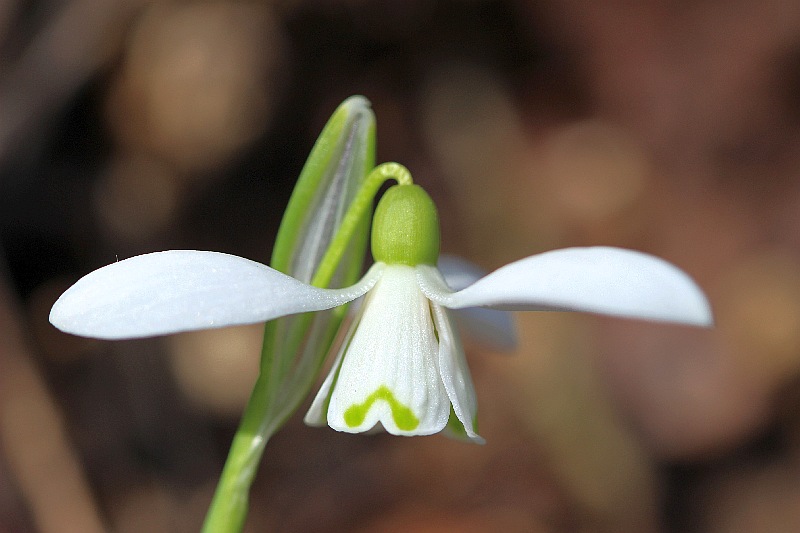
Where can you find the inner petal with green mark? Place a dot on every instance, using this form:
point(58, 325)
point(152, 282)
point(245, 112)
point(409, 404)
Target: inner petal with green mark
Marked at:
point(403, 417)
point(390, 374)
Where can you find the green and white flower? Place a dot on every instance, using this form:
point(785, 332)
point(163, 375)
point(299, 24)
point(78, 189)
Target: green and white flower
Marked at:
point(401, 365)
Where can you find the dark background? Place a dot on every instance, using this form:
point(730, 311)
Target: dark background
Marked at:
point(671, 127)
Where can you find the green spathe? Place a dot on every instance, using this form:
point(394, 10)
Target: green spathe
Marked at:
point(405, 229)
point(294, 347)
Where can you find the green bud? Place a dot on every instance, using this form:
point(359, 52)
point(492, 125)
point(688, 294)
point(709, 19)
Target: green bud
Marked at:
point(405, 229)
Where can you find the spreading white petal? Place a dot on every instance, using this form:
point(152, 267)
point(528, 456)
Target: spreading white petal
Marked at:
point(492, 328)
point(455, 374)
point(182, 290)
point(603, 280)
point(390, 371)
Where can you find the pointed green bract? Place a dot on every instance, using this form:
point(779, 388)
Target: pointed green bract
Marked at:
point(336, 167)
point(295, 346)
point(331, 180)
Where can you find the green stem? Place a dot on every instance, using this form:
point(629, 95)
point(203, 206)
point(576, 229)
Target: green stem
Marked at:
point(229, 506)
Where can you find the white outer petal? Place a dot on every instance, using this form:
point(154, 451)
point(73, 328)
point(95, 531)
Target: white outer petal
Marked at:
point(492, 328)
point(183, 290)
point(395, 347)
point(455, 373)
point(602, 280)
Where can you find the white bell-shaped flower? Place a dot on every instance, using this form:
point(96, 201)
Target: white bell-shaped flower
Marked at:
point(401, 365)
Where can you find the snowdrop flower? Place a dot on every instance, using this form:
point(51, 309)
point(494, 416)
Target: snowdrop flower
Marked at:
point(401, 365)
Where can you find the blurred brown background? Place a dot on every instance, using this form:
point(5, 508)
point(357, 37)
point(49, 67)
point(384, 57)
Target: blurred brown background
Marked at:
point(132, 126)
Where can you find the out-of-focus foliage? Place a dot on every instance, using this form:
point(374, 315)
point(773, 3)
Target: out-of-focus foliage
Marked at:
point(674, 128)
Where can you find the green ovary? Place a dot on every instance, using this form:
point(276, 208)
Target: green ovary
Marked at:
point(403, 417)
point(405, 229)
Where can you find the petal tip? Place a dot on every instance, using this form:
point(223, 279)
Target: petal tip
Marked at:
point(698, 312)
point(706, 320)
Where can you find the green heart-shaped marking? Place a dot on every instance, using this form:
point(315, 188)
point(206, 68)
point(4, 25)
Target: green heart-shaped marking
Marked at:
point(404, 418)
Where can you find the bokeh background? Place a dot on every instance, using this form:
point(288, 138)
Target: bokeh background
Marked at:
point(132, 126)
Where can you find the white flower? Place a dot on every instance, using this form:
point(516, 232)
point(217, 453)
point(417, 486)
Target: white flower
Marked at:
point(401, 364)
